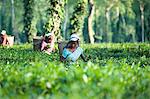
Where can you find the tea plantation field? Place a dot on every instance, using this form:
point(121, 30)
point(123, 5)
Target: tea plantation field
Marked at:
point(113, 71)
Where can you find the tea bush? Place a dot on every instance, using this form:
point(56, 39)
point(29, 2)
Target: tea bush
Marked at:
point(116, 71)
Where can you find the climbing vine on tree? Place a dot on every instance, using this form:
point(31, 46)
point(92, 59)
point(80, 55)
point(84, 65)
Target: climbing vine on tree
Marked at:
point(55, 14)
point(77, 19)
point(28, 16)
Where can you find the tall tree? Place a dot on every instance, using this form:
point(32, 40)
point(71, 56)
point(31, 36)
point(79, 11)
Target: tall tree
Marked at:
point(28, 16)
point(99, 19)
point(139, 7)
point(77, 19)
point(142, 5)
point(107, 21)
point(12, 16)
point(147, 21)
point(65, 21)
point(55, 14)
point(3, 11)
point(90, 20)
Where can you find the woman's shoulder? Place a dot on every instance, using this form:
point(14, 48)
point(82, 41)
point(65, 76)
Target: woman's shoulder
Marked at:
point(79, 48)
point(65, 49)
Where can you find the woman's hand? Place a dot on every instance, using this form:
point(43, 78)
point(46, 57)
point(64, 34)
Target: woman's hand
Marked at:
point(62, 59)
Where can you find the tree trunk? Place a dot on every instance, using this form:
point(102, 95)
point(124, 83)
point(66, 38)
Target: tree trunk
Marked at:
point(65, 22)
point(142, 20)
point(28, 17)
point(12, 17)
point(107, 35)
point(95, 26)
point(90, 19)
point(3, 26)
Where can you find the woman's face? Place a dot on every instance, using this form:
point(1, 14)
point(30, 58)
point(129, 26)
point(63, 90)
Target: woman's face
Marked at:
point(73, 44)
point(49, 39)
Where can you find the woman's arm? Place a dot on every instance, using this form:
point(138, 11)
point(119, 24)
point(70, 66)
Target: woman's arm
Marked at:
point(62, 59)
point(43, 45)
point(83, 57)
point(50, 48)
point(51, 44)
point(4, 40)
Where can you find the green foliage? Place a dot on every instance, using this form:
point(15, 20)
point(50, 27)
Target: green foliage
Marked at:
point(120, 28)
point(126, 24)
point(55, 13)
point(77, 19)
point(116, 71)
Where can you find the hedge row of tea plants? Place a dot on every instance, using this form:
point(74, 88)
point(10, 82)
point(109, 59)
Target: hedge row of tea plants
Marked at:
point(117, 71)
